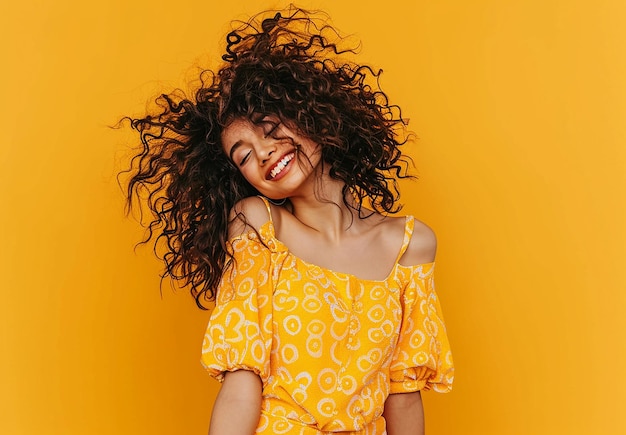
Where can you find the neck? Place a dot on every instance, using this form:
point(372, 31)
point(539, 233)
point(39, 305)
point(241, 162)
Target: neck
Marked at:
point(325, 211)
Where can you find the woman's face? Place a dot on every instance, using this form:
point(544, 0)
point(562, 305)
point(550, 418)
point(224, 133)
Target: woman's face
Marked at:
point(275, 159)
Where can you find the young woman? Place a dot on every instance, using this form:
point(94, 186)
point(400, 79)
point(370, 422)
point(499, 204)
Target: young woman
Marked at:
point(274, 189)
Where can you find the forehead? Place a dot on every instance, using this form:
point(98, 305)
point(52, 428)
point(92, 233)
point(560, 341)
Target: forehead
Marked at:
point(240, 129)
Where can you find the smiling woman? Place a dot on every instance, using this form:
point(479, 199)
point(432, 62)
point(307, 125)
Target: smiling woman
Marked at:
point(267, 152)
point(326, 318)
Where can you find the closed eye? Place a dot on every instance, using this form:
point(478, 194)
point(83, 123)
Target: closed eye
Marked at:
point(245, 158)
point(273, 126)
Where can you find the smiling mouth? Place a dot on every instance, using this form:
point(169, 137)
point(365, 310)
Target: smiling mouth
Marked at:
point(280, 165)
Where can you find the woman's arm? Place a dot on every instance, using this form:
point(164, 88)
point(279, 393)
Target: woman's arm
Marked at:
point(404, 414)
point(237, 407)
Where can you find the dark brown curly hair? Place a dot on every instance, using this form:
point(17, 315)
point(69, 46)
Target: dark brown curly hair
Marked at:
point(285, 64)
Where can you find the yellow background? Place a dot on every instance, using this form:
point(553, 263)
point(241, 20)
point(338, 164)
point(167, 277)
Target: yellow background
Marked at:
point(520, 109)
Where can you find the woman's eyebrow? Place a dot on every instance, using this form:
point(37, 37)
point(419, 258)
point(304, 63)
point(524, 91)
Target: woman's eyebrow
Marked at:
point(234, 148)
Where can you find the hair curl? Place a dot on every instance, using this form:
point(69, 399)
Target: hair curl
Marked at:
point(288, 65)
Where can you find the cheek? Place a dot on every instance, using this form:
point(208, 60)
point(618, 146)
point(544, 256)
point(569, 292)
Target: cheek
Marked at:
point(250, 176)
point(312, 152)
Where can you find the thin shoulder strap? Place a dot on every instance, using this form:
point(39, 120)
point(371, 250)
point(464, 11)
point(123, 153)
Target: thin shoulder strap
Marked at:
point(408, 232)
point(267, 205)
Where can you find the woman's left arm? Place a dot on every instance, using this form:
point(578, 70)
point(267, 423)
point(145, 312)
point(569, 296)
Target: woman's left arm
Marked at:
point(404, 414)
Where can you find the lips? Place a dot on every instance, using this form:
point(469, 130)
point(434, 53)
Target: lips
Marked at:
point(279, 166)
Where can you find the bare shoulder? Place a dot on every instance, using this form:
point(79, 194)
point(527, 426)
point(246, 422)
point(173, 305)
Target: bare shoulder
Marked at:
point(249, 214)
point(422, 247)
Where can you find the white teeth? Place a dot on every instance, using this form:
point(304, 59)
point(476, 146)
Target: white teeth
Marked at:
point(281, 165)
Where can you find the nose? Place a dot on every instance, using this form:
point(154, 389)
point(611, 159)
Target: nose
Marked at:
point(265, 151)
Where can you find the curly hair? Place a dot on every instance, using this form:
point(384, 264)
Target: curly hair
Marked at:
point(286, 64)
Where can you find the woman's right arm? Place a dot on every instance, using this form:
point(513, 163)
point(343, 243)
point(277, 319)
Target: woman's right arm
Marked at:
point(237, 407)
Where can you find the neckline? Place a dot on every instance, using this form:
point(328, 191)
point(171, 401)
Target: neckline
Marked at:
point(267, 231)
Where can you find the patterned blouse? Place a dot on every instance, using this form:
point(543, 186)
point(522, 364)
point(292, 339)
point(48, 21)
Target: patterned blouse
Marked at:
point(329, 347)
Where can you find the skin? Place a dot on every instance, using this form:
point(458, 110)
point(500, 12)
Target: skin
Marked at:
point(240, 391)
point(404, 414)
point(318, 228)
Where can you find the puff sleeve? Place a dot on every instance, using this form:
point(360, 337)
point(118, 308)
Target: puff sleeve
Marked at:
point(239, 333)
point(422, 359)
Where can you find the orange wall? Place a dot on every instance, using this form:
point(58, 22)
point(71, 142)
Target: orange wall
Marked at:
point(520, 108)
